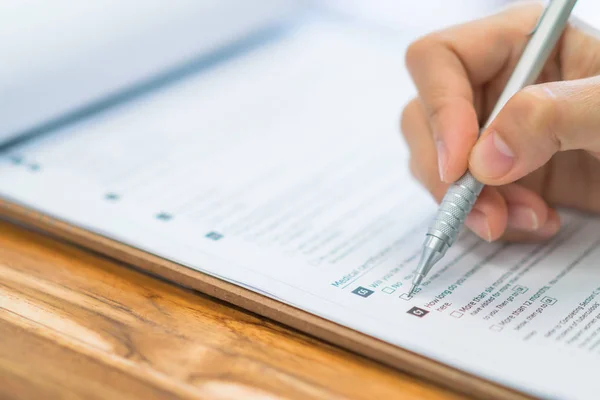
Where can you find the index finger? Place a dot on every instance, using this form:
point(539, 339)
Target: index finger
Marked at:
point(446, 66)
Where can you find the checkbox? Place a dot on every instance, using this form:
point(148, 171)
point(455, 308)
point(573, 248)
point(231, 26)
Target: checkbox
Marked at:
point(456, 314)
point(520, 289)
point(496, 328)
point(549, 300)
point(388, 290)
point(404, 296)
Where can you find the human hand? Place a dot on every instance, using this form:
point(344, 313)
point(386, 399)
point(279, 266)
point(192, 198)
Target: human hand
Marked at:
point(541, 151)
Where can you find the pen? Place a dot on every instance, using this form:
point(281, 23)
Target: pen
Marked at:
point(461, 195)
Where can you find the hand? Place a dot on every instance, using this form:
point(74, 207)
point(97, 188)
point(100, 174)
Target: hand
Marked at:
point(541, 151)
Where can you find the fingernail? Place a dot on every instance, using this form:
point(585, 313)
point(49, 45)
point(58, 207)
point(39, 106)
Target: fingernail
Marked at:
point(550, 228)
point(478, 223)
point(492, 157)
point(442, 158)
point(523, 218)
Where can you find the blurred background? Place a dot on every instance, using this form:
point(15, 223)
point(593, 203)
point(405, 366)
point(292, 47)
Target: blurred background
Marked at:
point(413, 15)
point(426, 15)
point(62, 56)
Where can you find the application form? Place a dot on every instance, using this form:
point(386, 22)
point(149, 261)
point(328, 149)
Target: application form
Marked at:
point(282, 171)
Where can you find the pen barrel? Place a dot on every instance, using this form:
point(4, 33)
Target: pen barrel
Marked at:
point(455, 206)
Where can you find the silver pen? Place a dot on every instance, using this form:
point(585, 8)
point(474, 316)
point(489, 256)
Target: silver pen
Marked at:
point(461, 195)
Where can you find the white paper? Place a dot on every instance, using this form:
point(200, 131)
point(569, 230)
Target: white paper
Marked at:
point(283, 172)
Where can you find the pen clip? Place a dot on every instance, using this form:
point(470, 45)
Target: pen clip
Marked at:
point(539, 20)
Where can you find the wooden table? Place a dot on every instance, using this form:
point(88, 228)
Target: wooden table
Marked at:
point(76, 325)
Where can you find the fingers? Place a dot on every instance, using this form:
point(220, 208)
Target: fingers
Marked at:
point(423, 154)
point(489, 217)
point(527, 210)
point(528, 213)
point(547, 231)
point(446, 65)
point(507, 212)
point(512, 213)
point(535, 124)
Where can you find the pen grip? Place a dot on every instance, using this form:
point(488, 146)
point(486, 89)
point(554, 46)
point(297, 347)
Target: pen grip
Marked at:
point(455, 206)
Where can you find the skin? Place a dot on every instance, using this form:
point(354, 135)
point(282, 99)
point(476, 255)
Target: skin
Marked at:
point(541, 152)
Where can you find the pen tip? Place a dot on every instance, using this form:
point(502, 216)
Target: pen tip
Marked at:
point(412, 290)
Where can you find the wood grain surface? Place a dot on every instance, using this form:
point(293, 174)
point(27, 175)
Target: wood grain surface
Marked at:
point(76, 325)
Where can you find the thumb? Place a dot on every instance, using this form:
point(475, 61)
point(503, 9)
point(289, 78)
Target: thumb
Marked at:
point(535, 123)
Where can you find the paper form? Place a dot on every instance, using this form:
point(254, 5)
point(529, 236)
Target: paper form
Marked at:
point(283, 172)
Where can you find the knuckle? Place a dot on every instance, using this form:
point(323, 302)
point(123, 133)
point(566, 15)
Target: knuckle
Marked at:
point(534, 115)
point(413, 52)
point(522, 105)
point(417, 49)
point(409, 114)
point(542, 107)
point(439, 101)
point(544, 114)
